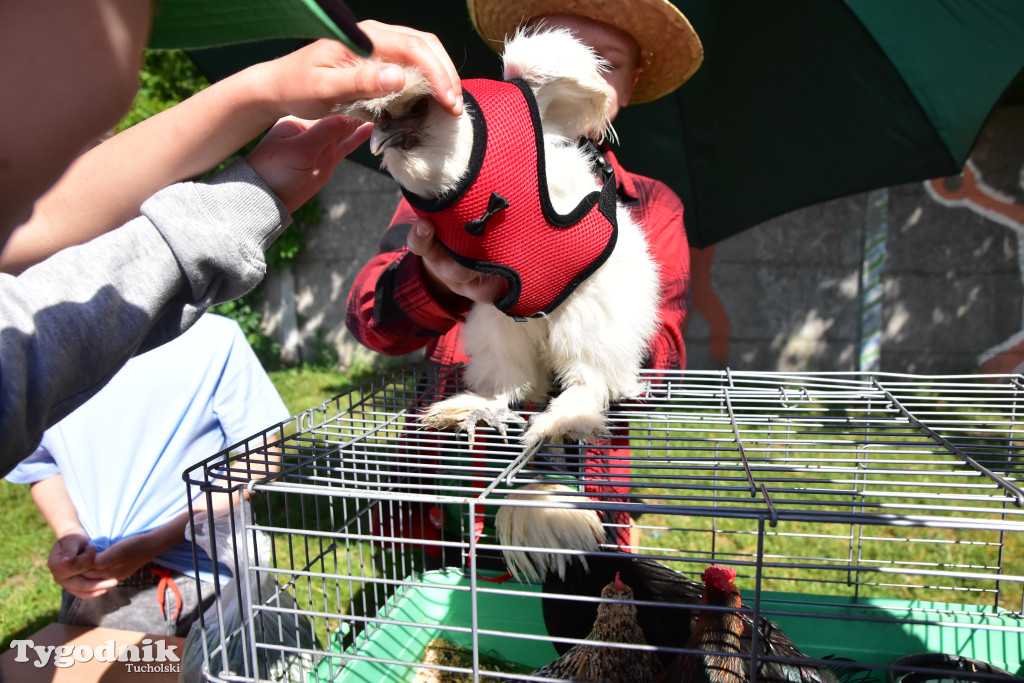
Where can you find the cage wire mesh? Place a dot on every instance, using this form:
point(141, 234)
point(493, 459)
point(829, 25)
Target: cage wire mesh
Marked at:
point(871, 518)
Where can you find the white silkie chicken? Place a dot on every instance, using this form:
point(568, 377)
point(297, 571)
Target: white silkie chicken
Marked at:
point(583, 292)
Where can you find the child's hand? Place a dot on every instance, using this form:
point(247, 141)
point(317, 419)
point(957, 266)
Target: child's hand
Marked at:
point(297, 157)
point(125, 557)
point(70, 559)
point(315, 80)
point(403, 45)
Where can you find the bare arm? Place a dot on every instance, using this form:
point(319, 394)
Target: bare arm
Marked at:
point(125, 557)
point(56, 507)
point(77, 566)
point(105, 187)
point(70, 558)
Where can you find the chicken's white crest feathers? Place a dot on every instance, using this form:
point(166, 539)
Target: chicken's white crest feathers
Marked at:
point(566, 77)
point(424, 147)
point(394, 103)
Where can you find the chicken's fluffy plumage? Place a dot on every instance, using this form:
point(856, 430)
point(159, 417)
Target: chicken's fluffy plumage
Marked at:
point(667, 623)
point(444, 142)
point(615, 623)
point(567, 77)
point(592, 345)
point(545, 527)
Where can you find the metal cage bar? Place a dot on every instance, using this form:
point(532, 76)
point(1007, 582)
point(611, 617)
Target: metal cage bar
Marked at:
point(886, 505)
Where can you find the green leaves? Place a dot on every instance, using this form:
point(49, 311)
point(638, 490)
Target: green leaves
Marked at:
point(167, 77)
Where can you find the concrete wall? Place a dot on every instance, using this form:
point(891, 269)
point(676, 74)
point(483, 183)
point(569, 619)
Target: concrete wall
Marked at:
point(358, 204)
point(785, 295)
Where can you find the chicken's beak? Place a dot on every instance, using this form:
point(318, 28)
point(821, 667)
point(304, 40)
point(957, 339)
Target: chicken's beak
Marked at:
point(401, 131)
point(385, 136)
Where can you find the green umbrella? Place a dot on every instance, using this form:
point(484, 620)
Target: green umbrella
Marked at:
point(798, 101)
point(801, 101)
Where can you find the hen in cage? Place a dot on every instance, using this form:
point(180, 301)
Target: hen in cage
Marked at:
point(875, 523)
point(668, 620)
point(715, 638)
point(615, 622)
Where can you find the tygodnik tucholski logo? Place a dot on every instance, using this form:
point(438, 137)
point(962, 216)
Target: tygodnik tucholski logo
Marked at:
point(147, 657)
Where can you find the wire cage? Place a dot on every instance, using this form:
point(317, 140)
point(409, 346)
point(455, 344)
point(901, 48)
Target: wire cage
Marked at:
point(878, 521)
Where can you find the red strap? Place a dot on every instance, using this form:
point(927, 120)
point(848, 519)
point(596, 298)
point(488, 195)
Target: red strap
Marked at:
point(161, 591)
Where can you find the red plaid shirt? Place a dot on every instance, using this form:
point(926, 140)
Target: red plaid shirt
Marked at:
point(390, 310)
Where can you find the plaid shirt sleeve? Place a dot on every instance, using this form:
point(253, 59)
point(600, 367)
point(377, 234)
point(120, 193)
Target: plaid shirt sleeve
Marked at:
point(389, 308)
point(660, 212)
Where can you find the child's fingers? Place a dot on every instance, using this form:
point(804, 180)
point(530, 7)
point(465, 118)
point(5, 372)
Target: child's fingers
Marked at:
point(359, 135)
point(363, 81)
point(88, 588)
point(308, 139)
point(403, 45)
point(420, 239)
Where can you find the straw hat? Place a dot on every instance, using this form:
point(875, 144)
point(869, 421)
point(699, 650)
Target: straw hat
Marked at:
point(670, 50)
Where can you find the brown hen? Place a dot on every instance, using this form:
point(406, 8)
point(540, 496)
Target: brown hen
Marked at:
point(616, 623)
point(719, 634)
point(716, 633)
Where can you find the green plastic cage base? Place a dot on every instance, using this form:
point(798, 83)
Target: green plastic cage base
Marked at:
point(870, 630)
point(439, 604)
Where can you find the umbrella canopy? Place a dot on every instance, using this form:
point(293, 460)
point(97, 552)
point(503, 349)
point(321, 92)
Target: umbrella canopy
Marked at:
point(803, 101)
point(797, 102)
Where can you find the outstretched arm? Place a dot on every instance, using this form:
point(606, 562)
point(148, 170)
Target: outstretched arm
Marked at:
point(105, 187)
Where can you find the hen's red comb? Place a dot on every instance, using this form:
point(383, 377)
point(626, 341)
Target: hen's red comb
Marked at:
point(618, 582)
point(719, 575)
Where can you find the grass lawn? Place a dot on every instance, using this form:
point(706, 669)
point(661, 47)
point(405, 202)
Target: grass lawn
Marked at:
point(30, 597)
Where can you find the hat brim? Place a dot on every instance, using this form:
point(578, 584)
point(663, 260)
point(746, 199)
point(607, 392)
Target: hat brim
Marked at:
point(194, 24)
point(670, 50)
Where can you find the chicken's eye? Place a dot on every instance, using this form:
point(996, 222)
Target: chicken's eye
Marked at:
point(420, 107)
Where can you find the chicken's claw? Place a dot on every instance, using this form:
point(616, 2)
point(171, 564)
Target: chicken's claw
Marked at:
point(558, 427)
point(465, 411)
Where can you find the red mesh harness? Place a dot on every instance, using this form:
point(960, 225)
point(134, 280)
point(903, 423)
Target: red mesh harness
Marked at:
point(499, 220)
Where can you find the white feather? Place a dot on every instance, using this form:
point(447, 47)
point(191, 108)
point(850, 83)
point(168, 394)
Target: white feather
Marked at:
point(545, 527)
point(566, 77)
point(396, 103)
point(446, 142)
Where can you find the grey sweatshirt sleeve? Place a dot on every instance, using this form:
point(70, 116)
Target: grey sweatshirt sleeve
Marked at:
point(69, 323)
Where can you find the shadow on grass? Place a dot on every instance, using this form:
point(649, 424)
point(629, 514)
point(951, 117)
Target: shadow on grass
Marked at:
point(32, 627)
